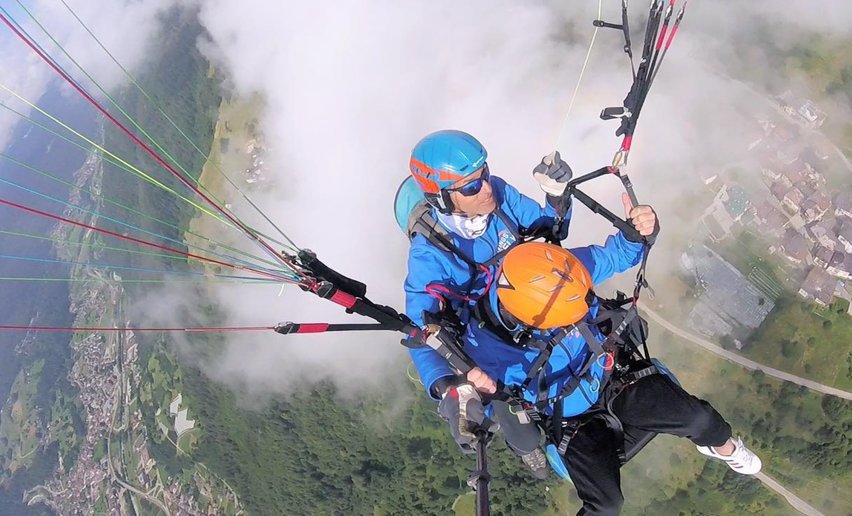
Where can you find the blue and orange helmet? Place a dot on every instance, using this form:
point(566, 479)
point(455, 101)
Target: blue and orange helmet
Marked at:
point(444, 157)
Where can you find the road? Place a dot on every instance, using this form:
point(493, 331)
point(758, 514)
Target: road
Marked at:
point(745, 362)
point(119, 398)
point(794, 501)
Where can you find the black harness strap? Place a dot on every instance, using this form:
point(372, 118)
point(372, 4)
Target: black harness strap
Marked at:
point(544, 356)
point(438, 237)
point(563, 432)
point(574, 382)
point(508, 223)
point(635, 376)
point(619, 320)
point(425, 223)
point(434, 233)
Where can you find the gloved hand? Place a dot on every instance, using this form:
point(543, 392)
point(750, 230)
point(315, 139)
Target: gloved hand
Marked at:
point(462, 408)
point(552, 174)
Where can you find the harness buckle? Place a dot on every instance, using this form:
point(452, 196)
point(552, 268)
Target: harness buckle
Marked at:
point(635, 376)
point(532, 412)
point(563, 444)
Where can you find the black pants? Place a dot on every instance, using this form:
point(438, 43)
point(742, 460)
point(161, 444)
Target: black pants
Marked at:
point(654, 404)
point(522, 438)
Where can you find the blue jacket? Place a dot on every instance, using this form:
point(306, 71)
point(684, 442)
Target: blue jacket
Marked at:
point(503, 361)
point(429, 265)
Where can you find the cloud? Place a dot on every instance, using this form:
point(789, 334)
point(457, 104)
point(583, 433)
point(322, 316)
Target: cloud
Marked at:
point(350, 87)
point(125, 28)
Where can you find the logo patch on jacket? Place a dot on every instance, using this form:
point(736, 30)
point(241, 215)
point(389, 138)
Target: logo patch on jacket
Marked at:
point(505, 240)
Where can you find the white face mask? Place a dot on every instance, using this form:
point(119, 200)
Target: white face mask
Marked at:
point(465, 227)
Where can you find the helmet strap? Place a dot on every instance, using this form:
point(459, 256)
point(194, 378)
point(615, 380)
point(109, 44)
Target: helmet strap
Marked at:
point(509, 321)
point(441, 201)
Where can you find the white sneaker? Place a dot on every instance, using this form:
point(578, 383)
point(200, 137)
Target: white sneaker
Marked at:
point(743, 460)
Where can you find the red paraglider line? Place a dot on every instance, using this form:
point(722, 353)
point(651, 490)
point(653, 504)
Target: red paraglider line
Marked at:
point(144, 242)
point(136, 140)
point(188, 330)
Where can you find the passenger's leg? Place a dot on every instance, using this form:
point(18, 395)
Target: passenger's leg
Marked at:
point(656, 404)
point(592, 460)
point(522, 438)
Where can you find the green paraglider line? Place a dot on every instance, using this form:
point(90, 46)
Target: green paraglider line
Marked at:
point(189, 140)
point(135, 170)
point(75, 243)
point(28, 209)
point(109, 97)
point(119, 163)
point(258, 281)
point(120, 205)
point(98, 215)
point(93, 81)
point(200, 329)
point(254, 237)
point(119, 267)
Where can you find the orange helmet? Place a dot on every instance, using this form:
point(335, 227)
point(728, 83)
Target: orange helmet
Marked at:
point(543, 285)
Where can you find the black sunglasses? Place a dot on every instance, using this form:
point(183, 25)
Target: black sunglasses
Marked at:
point(473, 188)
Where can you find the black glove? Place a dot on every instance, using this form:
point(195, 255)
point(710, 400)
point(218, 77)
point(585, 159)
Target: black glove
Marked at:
point(552, 174)
point(461, 406)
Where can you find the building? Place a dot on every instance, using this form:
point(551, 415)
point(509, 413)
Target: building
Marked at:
point(818, 287)
point(730, 303)
point(812, 115)
point(175, 405)
point(840, 265)
point(825, 257)
point(779, 190)
point(793, 199)
point(182, 421)
point(843, 205)
point(795, 248)
point(735, 200)
point(771, 173)
point(708, 322)
point(823, 233)
point(795, 173)
point(836, 263)
point(844, 234)
point(769, 220)
point(803, 110)
point(815, 206)
point(729, 206)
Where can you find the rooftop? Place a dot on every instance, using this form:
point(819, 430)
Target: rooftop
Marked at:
point(779, 190)
point(819, 285)
point(729, 294)
point(828, 256)
point(795, 246)
point(737, 202)
point(794, 196)
point(763, 209)
point(845, 230)
point(843, 202)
